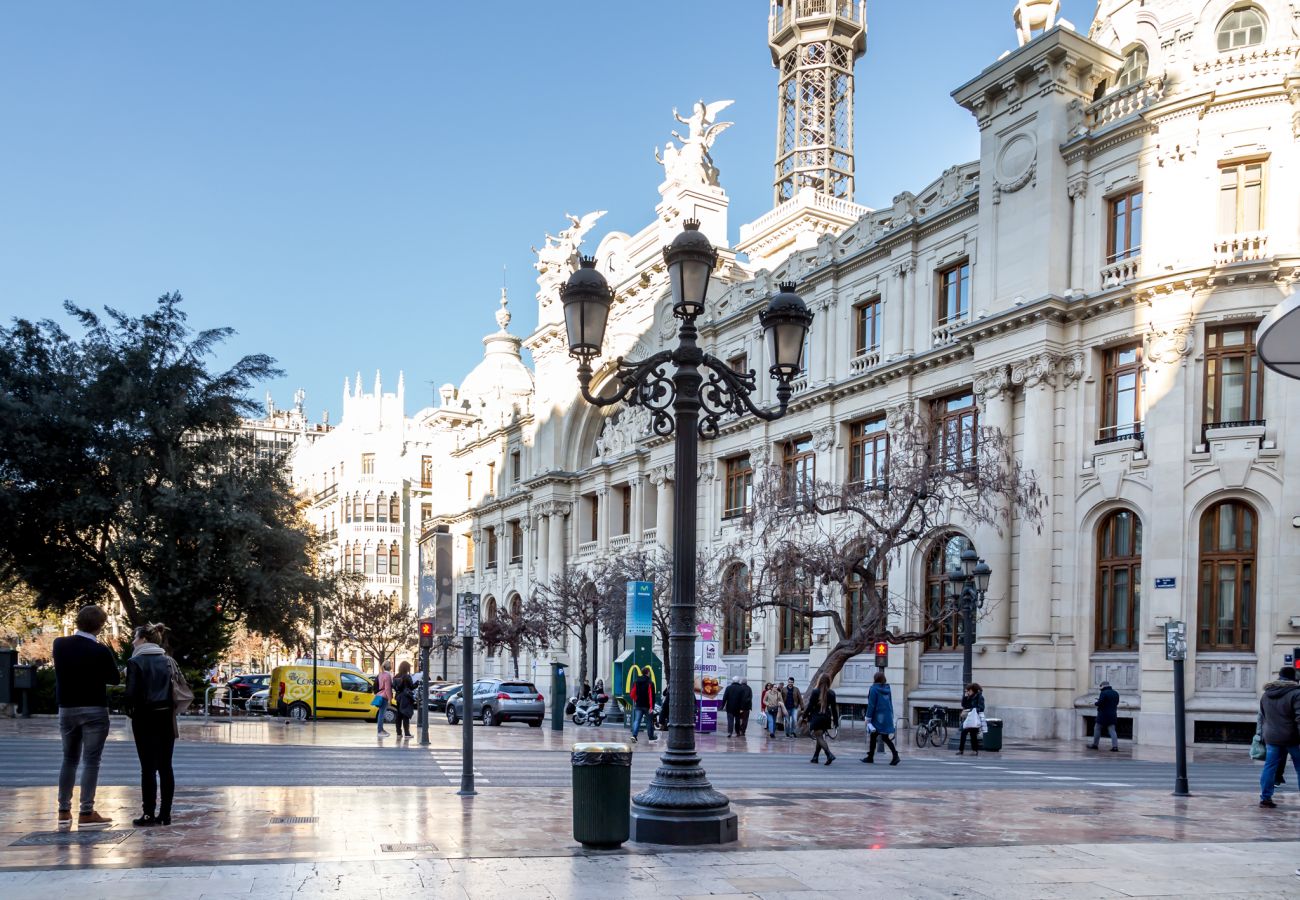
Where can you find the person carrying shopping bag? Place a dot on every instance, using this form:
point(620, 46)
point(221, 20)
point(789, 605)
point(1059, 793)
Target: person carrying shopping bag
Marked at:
point(972, 718)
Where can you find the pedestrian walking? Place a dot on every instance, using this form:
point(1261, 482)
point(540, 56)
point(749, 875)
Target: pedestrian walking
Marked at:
point(384, 694)
point(793, 702)
point(83, 669)
point(1107, 720)
point(972, 718)
point(880, 719)
point(1279, 710)
point(773, 707)
point(731, 704)
point(822, 712)
point(643, 701)
point(404, 691)
point(149, 702)
point(746, 707)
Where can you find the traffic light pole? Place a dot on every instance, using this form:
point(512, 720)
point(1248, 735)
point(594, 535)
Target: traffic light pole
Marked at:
point(467, 719)
point(424, 696)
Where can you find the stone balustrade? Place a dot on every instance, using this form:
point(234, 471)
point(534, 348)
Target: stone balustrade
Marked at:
point(1124, 102)
point(1121, 271)
point(1246, 247)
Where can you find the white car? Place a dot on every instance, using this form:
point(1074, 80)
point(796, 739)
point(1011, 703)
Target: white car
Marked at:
point(258, 702)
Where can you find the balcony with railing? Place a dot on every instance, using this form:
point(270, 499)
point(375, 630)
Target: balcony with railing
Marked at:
point(649, 535)
point(946, 332)
point(1250, 246)
point(1121, 271)
point(620, 542)
point(867, 359)
point(784, 13)
point(1252, 64)
point(588, 549)
point(323, 495)
point(1113, 434)
point(1127, 101)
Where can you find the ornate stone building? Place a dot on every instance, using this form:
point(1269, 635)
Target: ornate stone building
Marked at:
point(1090, 285)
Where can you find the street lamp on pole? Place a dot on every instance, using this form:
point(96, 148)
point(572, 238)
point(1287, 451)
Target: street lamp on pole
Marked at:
point(680, 806)
point(967, 588)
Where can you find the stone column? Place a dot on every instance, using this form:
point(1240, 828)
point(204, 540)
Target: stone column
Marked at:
point(664, 510)
point(1078, 191)
point(602, 517)
point(555, 563)
point(637, 485)
point(543, 549)
point(1037, 375)
point(909, 313)
point(821, 340)
point(993, 394)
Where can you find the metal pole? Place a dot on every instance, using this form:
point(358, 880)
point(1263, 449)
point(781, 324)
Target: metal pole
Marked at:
point(467, 722)
point(445, 640)
point(315, 653)
point(424, 695)
point(967, 634)
point(1180, 734)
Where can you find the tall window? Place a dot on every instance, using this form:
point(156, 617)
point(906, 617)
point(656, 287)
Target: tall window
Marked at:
point(516, 467)
point(1243, 27)
point(370, 508)
point(1124, 238)
point(381, 560)
point(516, 542)
point(426, 513)
point(957, 430)
point(868, 451)
point(739, 362)
point(356, 507)
point(866, 327)
point(737, 622)
point(358, 560)
point(367, 463)
point(1135, 67)
point(593, 517)
point(426, 471)
point(625, 519)
point(954, 293)
point(1241, 197)
point(347, 508)
point(491, 548)
point(1119, 581)
point(739, 487)
point(796, 628)
point(1124, 379)
point(370, 559)
point(347, 558)
point(381, 509)
point(395, 509)
point(799, 468)
point(469, 485)
point(394, 559)
point(858, 600)
point(1227, 589)
point(469, 551)
point(492, 479)
point(1234, 385)
point(942, 623)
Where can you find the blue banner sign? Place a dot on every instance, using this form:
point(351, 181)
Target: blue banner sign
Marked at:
point(640, 608)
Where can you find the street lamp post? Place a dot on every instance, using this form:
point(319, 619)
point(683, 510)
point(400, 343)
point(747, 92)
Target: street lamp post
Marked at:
point(967, 588)
point(680, 806)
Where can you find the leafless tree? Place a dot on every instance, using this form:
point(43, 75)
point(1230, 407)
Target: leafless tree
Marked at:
point(571, 605)
point(377, 624)
point(516, 628)
point(803, 537)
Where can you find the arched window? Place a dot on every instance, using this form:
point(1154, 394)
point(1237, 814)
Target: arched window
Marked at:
point(370, 508)
point(1243, 27)
point(516, 606)
point(1134, 69)
point(370, 559)
point(394, 509)
point(381, 509)
point(796, 628)
point(944, 556)
point(736, 620)
point(356, 507)
point(347, 557)
point(394, 559)
point(1226, 619)
point(490, 609)
point(1119, 581)
point(358, 562)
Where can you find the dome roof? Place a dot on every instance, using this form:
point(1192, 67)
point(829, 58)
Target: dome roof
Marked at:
point(502, 374)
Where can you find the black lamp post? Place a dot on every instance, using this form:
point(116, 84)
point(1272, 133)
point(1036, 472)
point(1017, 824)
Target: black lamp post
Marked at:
point(967, 588)
point(680, 806)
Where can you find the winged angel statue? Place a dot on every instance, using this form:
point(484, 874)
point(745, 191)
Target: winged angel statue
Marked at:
point(558, 257)
point(691, 163)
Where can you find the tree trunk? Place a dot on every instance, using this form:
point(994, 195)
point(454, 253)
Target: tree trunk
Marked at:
point(582, 659)
point(840, 654)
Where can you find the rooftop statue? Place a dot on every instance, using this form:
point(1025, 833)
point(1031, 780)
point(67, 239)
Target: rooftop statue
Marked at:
point(1035, 15)
point(691, 163)
point(557, 259)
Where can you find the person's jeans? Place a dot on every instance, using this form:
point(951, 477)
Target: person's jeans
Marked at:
point(84, 730)
point(731, 724)
point(640, 716)
point(1273, 757)
point(381, 709)
point(791, 722)
point(155, 740)
point(1111, 730)
point(771, 722)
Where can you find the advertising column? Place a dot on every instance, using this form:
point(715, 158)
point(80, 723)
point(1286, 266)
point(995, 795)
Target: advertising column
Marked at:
point(708, 685)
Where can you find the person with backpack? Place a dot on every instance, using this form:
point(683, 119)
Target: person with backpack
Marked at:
point(643, 700)
point(383, 694)
point(1107, 720)
point(404, 690)
point(151, 703)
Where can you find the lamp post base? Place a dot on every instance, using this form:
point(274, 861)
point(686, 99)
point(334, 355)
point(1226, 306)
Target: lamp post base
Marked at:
point(683, 827)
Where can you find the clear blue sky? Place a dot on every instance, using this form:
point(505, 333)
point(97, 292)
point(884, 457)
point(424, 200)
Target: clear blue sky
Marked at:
point(342, 182)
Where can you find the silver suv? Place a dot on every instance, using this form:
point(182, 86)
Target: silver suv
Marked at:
point(497, 700)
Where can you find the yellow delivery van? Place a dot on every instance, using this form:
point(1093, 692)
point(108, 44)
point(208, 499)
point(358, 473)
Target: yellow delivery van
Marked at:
point(340, 693)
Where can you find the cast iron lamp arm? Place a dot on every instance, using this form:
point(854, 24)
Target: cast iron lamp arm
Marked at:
point(646, 383)
point(726, 390)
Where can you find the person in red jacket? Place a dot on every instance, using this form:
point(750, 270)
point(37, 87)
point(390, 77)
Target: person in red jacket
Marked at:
point(643, 701)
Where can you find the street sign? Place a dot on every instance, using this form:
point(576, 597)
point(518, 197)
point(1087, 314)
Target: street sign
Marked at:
point(640, 608)
point(1175, 640)
point(1166, 583)
point(467, 615)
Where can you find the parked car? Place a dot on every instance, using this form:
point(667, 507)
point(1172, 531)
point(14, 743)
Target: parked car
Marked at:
point(497, 700)
point(440, 693)
point(340, 694)
point(259, 702)
point(244, 686)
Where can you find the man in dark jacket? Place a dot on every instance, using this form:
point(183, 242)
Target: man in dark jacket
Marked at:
point(1107, 704)
point(83, 668)
point(731, 703)
point(746, 706)
point(643, 701)
point(1279, 711)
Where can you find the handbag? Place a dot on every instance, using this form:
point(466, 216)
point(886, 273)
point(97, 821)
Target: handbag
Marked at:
point(182, 693)
point(377, 700)
point(1257, 748)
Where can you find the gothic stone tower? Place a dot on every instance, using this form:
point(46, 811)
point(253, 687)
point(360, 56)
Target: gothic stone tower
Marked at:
point(815, 44)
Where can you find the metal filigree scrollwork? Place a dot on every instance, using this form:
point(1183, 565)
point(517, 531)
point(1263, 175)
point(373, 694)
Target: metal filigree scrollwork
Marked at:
point(728, 392)
point(645, 384)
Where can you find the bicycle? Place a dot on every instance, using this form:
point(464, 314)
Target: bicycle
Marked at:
point(934, 729)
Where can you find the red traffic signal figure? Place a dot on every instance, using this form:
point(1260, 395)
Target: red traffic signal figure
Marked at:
point(426, 633)
point(882, 654)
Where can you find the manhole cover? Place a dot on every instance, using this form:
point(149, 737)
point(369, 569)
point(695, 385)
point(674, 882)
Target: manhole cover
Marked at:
point(1069, 810)
point(70, 838)
point(293, 820)
point(409, 848)
point(759, 801)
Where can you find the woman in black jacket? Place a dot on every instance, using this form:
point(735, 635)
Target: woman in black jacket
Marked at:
point(822, 712)
point(148, 701)
point(404, 698)
point(972, 699)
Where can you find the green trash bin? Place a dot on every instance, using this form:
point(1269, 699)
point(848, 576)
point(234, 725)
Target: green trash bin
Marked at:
point(602, 793)
point(992, 739)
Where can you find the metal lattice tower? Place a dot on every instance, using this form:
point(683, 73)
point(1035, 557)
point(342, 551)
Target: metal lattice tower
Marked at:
point(815, 44)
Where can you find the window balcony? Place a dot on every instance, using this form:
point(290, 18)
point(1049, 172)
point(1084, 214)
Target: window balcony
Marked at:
point(588, 549)
point(328, 492)
point(946, 332)
point(1127, 101)
point(649, 535)
point(620, 542)
point(1113, 434)
point(1121, 271)
point(1250, 246)
point(867, 359)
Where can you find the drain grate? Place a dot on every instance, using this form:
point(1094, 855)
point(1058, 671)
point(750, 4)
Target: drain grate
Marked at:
point(70, 838)
point(1069, 810)
point(409, 848)
point(294, 820)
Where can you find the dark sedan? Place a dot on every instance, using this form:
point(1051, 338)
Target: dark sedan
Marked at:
point(244, 686)
point(440, 692)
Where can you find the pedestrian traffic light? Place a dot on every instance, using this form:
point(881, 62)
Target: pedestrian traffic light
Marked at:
point(426, 633)
point(882, 654)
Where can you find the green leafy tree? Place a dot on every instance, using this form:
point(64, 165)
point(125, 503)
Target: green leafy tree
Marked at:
point(124, 477)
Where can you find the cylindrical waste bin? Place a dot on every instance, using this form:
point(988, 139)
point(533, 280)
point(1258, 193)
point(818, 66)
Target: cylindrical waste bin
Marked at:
point(992, 739)
point(602, 793)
